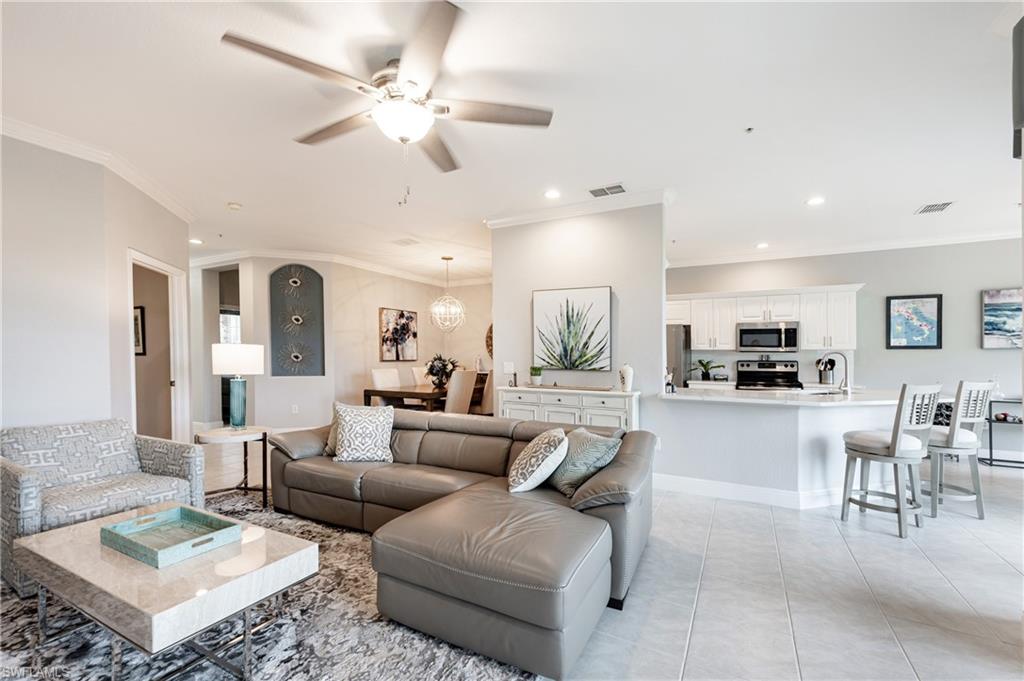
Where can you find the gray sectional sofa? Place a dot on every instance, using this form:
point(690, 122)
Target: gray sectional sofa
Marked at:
point(522, 578)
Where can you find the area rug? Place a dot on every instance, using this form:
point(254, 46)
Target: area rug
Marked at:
point(329, 629)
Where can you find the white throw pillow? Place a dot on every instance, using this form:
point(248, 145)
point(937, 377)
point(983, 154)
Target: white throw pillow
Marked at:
point(538, 460)
point(364, 433)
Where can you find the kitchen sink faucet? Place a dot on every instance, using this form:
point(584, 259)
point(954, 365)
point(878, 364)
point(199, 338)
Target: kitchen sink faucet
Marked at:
point(845, 385)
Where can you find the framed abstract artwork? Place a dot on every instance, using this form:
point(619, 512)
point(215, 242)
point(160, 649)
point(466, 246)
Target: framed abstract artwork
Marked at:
point(913, 322)
point(1001, 318)
point(398, 335)
point(139, 329)
point(572, 328)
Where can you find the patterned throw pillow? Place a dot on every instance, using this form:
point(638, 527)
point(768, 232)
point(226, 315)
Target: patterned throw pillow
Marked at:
point(588, 453)
point(364, 433)
point(537, 460)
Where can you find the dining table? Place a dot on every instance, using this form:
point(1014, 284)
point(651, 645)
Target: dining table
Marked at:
point(428, 394)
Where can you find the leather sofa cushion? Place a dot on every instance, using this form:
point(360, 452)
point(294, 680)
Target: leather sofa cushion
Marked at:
point(405, 444)
point(476, 453)
point(543, 493)
point(299, 444)
point(528, 559)
point(323, 475)
point(409, 486)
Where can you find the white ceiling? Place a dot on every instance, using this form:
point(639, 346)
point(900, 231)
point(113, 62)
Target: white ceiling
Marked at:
point(878, 107)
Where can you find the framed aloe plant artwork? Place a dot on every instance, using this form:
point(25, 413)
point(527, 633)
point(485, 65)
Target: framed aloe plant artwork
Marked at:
point(572, 328)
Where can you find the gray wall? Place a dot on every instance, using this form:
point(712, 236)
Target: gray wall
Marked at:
point(467, 342)
point(623, 249)
point(959, 272)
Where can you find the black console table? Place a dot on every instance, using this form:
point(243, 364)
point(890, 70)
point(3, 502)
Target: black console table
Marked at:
point(990, 461)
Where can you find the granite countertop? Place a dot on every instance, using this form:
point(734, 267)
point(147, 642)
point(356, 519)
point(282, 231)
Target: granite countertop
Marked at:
point(787, 398)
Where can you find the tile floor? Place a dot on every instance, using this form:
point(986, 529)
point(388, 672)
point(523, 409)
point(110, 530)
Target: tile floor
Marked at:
point(731, 590)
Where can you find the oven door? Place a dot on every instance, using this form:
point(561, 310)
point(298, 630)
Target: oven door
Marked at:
point(760, 337)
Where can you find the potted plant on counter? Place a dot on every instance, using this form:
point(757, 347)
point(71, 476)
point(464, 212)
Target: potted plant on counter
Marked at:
point(440, 370)
point(536, 375)
point(705, 367)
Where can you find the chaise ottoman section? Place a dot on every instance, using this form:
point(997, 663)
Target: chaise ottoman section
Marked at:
point(524, 581)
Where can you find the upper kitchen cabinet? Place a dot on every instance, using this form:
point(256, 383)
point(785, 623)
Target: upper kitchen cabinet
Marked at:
point(677, 312)
point(725, 323)
point(828, 320)
point(777, 308)
point(702, 324)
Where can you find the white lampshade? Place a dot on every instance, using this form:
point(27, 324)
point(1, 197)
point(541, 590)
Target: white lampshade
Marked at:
point(237, 359)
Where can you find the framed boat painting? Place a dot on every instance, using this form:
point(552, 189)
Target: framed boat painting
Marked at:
point(1001, 317)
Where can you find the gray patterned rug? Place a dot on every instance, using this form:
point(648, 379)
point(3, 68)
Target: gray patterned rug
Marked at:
point(330, 627)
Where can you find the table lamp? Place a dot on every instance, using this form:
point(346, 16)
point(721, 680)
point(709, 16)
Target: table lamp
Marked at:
point(237, 360)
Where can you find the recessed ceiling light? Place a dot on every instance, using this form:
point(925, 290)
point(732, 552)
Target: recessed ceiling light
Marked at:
point(197, 242)
point(815, 201)
point(552, 194)
point(762, 245)
point(234, 205)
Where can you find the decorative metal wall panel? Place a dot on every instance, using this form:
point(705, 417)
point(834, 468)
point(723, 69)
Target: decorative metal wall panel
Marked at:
point(296, 322)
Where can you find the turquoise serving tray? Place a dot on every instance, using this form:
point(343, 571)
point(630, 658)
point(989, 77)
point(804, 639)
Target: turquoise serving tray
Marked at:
point(171, 536)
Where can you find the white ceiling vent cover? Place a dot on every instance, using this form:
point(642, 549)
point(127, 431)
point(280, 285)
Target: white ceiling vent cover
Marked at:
point(405, 242)
point(933, 208)
point(607, 191)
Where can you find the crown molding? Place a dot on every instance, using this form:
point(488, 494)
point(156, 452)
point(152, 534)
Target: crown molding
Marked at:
point(893, 245)
point(594, 206)
point(41, 137)
point(235, 256)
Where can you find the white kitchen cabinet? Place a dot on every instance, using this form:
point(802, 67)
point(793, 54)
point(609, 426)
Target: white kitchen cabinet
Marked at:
point(611, 408)
point(725, 324)
point(842, 320)
point(814, 320)
point(784, 308)
point(752, 309)
point(702, 324)
point(677, 312)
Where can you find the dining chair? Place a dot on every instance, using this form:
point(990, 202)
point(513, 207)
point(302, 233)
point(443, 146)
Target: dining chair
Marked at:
point(384, 379)
point(962, 437)
point(904, 446)
point(460, 391)
point(486, 406)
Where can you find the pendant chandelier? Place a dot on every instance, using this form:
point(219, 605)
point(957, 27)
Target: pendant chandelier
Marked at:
point(447, 313)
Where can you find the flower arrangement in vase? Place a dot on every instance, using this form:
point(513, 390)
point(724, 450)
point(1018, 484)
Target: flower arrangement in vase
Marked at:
point(440, 370)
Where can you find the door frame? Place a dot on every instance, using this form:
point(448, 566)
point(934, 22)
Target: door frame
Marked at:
point(177, 292)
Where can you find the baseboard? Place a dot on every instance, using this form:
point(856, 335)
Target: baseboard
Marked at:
point(734, 491)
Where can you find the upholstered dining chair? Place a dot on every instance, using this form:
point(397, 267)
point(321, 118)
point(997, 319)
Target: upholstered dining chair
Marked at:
point(486, 406)
point(387, 378)
point(962, 437)
point(903, 448)
point(460, 392)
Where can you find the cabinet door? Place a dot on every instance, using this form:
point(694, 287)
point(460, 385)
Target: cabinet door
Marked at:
point(677, 312)
point(752, 309)
point(702, 320)
point(605, 417)
point(725, 324)
point(566, 415)
point(842, 320)
point(525, 412)
point(813, 321)
point(783, 308)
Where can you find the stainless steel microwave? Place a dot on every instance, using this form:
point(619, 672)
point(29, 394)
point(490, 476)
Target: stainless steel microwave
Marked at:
point(768, 337)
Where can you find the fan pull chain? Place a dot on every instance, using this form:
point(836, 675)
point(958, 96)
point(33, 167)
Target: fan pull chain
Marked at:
point(404, 201)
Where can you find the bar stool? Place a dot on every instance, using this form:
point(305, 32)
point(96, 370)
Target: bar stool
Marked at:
point(962, 437)
point(905, 445)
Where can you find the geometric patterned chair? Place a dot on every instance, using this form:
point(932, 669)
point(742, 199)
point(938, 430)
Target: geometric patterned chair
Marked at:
point(52, 476)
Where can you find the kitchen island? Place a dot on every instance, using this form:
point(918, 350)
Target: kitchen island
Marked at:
point(778, 447)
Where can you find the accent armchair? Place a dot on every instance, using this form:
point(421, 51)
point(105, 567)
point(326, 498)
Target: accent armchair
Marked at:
point(52, 476)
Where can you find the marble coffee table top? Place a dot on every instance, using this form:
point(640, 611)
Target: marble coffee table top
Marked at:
point(156, 608)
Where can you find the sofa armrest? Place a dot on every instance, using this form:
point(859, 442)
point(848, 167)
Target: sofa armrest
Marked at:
point(302, 444)
point(623, 479)
point(176, 460)
point(20, 515)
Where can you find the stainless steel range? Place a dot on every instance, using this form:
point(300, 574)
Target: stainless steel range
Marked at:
point(768, 375)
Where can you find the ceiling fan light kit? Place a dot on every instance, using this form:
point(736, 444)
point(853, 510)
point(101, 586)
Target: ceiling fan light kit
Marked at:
point(405, 110)
point(447, 312)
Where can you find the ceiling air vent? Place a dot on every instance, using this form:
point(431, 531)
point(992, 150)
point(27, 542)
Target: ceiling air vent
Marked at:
point(607, 191)
point(933, 208)
point(405, 242)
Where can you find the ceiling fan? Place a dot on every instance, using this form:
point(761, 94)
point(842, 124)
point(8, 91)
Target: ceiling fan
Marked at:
point(406, 108)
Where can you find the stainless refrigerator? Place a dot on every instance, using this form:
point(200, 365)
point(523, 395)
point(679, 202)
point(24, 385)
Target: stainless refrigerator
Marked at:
point(677, 352)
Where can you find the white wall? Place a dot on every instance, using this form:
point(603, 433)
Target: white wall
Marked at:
point(623, 249)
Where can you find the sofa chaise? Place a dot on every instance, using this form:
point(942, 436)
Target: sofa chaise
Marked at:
point(522, 578)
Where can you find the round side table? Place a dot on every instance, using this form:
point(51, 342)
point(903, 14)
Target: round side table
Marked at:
point(225, 436)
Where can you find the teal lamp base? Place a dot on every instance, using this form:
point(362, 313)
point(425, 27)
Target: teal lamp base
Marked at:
point(236, 413)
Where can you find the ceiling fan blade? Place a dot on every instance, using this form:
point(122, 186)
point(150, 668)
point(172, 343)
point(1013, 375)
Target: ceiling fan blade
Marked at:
point(421, 58)
point(438, 151)
point(317, 70)
point(360, 120)
point(487, 112)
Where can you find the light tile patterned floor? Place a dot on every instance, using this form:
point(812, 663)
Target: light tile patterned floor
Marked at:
point(729, 590)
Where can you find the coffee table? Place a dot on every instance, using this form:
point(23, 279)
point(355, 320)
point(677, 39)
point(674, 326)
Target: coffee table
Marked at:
point(156, 609)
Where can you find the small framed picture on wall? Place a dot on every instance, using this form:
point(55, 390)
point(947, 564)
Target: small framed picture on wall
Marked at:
point(139, 326)
point(913, 322)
